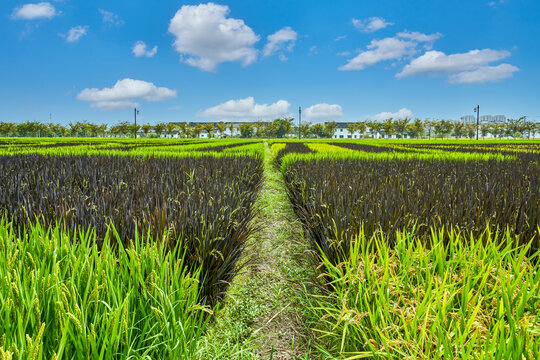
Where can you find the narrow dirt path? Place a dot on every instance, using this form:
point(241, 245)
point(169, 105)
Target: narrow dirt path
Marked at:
point(263, 313)
point(282, 265)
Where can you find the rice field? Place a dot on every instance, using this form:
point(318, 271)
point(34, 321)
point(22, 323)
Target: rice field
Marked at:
point(115, 249)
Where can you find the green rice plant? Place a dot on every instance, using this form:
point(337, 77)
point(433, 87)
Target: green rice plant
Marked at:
point(62, 297)
point(292, 148)
point(334, 199)
point(205, 205)
point(139, 148)
point(447, 297)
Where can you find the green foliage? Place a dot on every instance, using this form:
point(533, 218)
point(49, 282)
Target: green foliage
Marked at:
point(452, 297)
point(181, 198)
point(246, 130)
point(291, 147)
point(63, 298)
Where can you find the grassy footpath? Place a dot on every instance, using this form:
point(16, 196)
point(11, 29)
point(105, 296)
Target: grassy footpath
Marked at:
point(262, 318)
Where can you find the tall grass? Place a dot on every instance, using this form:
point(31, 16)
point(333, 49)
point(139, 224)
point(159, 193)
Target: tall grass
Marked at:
point(461, 298)
point(63, 298)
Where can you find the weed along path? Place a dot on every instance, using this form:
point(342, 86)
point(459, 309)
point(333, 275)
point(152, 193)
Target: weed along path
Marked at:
point(262, 318)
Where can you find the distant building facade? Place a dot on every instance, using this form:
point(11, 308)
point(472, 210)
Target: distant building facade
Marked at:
point(467, 119)
point(491, 119)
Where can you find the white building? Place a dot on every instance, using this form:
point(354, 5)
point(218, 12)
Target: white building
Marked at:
point(468, 119)
point(342, 132)
point(492, 119)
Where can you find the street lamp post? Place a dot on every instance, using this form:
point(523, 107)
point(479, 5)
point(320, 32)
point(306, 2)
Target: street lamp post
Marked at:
point(299, 121)
point(477, 111)
point(135, 129)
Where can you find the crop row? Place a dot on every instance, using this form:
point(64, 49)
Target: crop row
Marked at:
point(425, 251)
point(205, 204)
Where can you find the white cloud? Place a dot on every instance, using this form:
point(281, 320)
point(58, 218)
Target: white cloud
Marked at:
point(390, 48)
point(75, 33)
point(42, 10)
point(386, 49)
point(323, 112)
point(437, 62)
point(140, 49)
point(484, 74)
point(400, 114)
point(281, 39)
point(371, 24)
point(111, 19)
point(208, 37)
point(124, 93)
point(314, 50)
point(421, 38)
point(247, 109)
point(341, 37)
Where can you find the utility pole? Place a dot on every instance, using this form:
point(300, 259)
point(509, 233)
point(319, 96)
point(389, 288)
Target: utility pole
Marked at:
point(136, 112)
point(299, 121)
point(477, 111)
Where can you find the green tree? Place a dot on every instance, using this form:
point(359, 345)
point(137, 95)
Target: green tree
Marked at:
point(209, 128)
point(361, 127)
point(446, 127)
point(281, 127)
point(74, 128)
point(514, 125)
point(531, 128)
point(102, 129)
point(133, 129)
point(122, 129)
point(470, 130)
point(416, 128)
point(85, 128)
point(159, 128)
point(197, 130)
point(304, 129)
point(182, 128)
point(330, 128)
point(485, 129)
point(429, 125)
point(388, 127)
point(317, 130)
point(400, 126)
point(352, 128)
point(221, 128)
point(93, 129)
point(259, 129)
point(246, 130)
point(458, 127)
point(146, 129)
point(7, 128)
point(171, 129)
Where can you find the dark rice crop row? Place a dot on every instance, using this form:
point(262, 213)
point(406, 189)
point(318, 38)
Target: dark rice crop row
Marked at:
point(292, 147)
point(366, 148)
point(220, 148)
point(335, 199)
point(206, 204)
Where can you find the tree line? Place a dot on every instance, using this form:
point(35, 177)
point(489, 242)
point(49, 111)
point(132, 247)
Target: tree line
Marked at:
point(279, 128)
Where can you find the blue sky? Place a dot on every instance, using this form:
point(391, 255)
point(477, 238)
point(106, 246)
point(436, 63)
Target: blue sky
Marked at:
point(251, 60)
